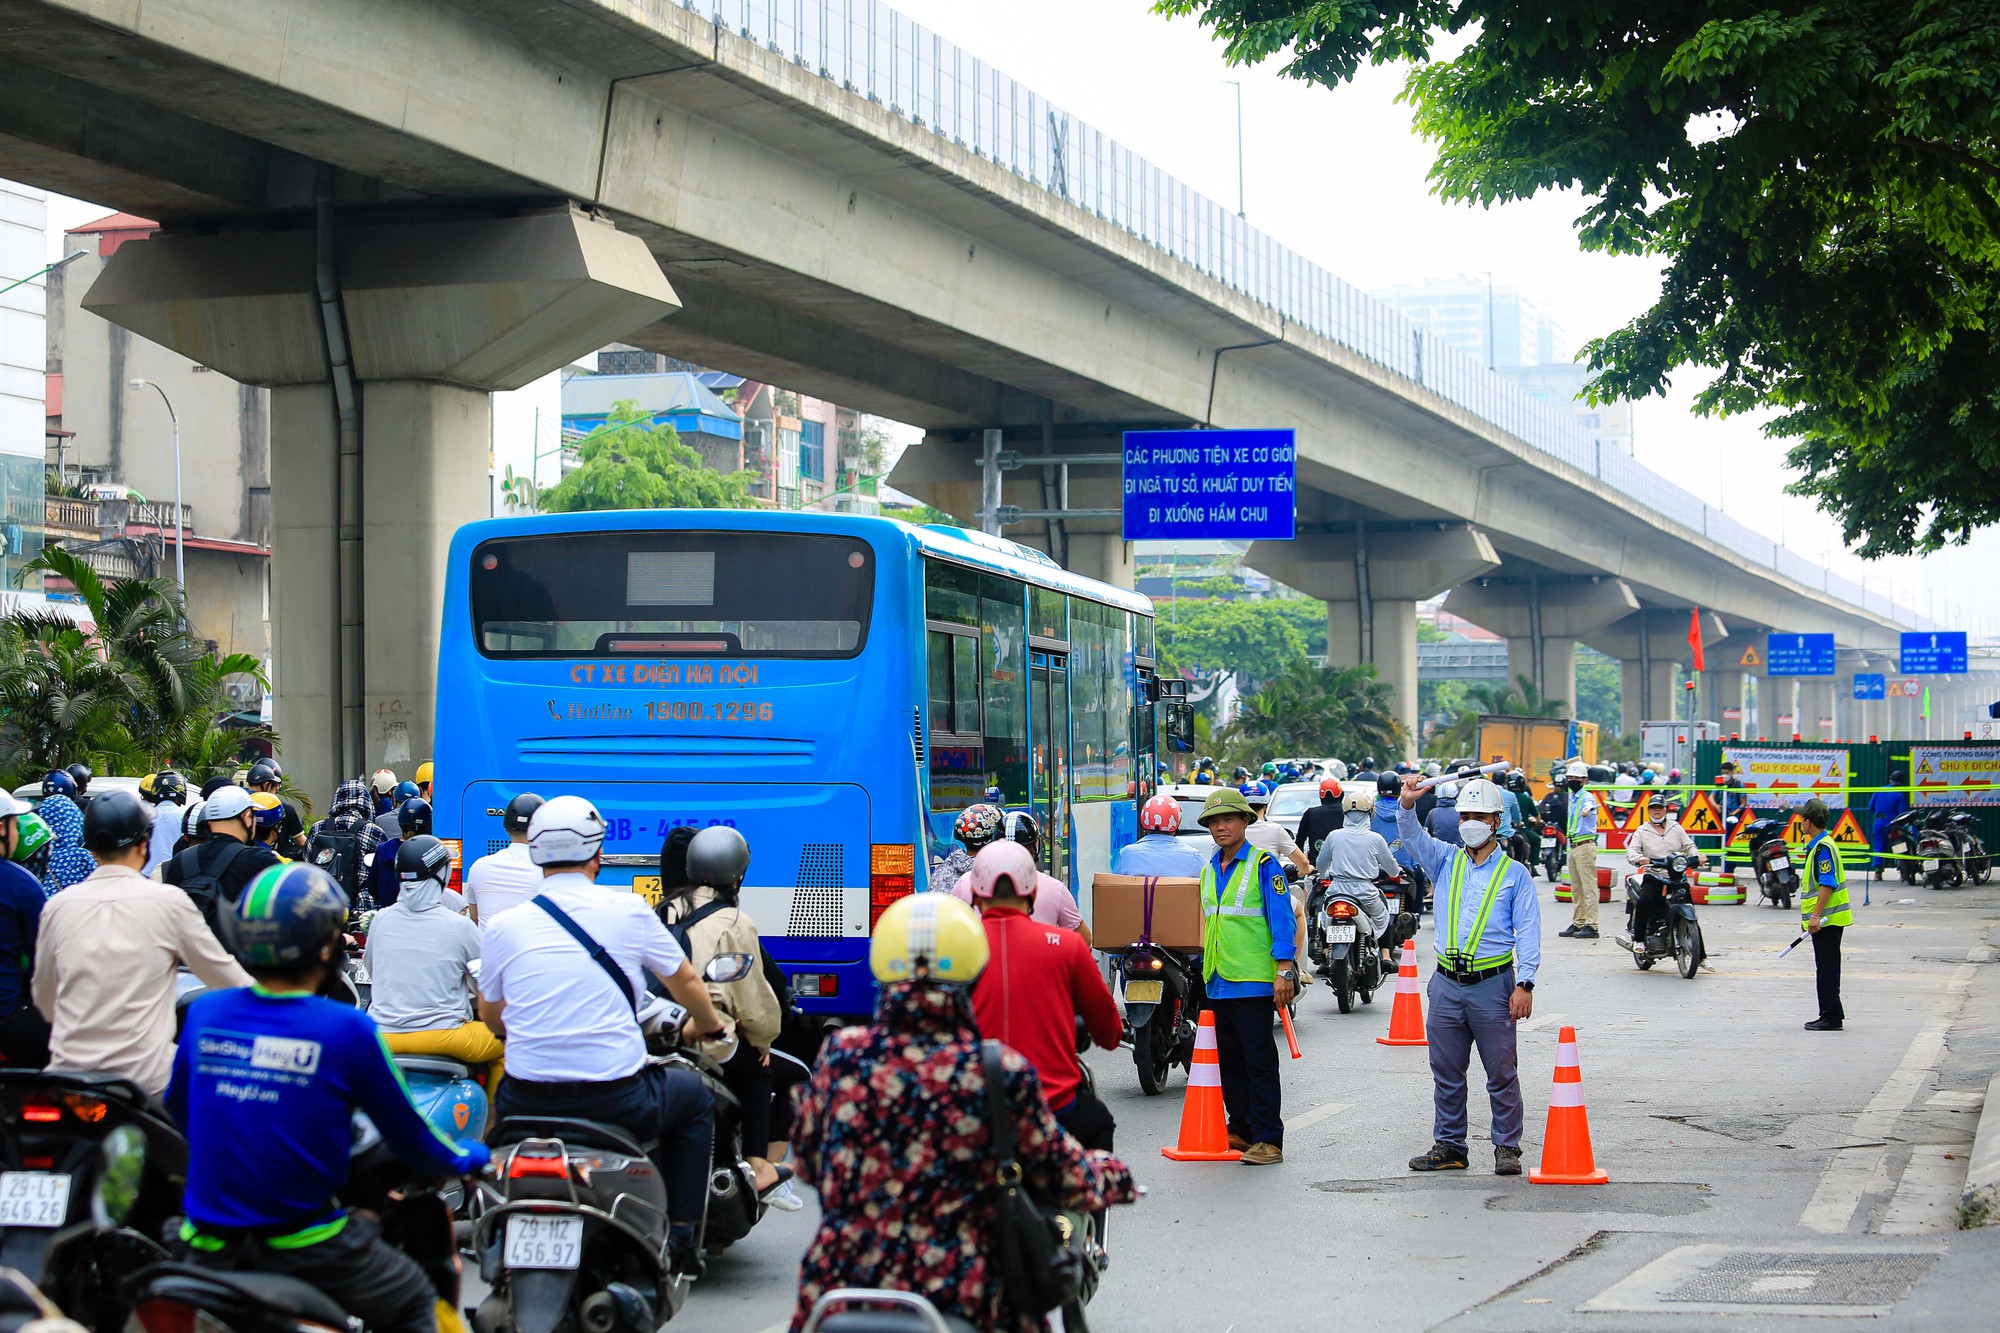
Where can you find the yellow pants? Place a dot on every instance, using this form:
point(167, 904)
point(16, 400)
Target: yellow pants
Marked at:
point(470, 1043)
point(1583, 888)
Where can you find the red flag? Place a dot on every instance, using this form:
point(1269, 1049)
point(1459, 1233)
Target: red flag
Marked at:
point(1694, 638)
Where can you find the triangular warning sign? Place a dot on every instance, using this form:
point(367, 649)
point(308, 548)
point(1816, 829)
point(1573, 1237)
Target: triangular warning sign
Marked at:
point(1635, 818)
point(1701, 816)
point(1847, 830)
point(1740, 829)
point(1796, 831)
point(1751, 657)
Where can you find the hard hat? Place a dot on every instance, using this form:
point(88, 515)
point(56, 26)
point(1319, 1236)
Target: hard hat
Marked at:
point(718, 857)
point(1481, 797)
point(1004, 863)
point(284, 916)
point(383, 782)
point(1161, 814)
point(1357, 800)
point(930, 937)
point(424, 773)
point(1577, 770)
point(114, 822)
point(977, 825)
point(565, 831)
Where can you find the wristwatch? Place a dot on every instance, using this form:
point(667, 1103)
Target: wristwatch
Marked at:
point(1288, 974)
point(1527, 986)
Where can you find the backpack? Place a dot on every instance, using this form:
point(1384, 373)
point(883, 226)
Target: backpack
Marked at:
point(338, 853)
point(781, 985)
point(205, 886)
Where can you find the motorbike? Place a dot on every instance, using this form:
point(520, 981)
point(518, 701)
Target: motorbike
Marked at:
point(1771, 862)
point(1677, 933)
point(1341, 940)
point(857, 1310)
point(178, 1297)
point(1901, 839)
point(90, 1171)
point(1164, 998)
point(1952, 853)
point(451, 1099)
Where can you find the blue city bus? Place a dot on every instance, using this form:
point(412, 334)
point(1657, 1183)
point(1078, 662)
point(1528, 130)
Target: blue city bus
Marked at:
point(837, 687)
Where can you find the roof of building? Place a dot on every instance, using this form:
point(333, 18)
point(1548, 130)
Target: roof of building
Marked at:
point(114, 222)
point(670, 391)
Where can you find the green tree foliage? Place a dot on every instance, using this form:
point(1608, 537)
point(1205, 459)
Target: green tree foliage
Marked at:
point(1312, 710)
point(1599, 686)
point(633, 464)
point(140, 693)
point(1518, 699)
point(1256, 640)
point(1821, 180)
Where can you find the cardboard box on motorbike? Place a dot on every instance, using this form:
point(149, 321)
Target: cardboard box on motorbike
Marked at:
point(1118, 912)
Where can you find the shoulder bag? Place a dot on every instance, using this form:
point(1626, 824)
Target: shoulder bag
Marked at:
point(1039, 1252)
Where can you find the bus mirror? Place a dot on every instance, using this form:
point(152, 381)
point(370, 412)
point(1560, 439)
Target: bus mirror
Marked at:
point(1180, 727)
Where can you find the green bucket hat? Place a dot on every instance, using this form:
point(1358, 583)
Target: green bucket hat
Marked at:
point(1225, 801)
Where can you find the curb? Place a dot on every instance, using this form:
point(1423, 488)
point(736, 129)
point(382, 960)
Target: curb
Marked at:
point(1980, 1204)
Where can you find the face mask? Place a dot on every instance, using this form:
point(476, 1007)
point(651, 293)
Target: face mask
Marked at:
point(1659, 821)
point(1474, 833)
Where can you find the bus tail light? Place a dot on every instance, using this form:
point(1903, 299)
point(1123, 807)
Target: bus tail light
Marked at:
point(816, 985)
point(892, 874)
point(456, 846)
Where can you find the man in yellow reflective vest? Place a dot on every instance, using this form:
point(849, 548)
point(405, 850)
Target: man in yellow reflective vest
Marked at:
point(1825, 913)
point(1489, 947)
point(1247, 967)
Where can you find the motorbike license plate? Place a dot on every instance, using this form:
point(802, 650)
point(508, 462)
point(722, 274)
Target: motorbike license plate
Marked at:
point(647, 887)
point(1780, 863)
point(33, 1199)
point(535, 1241)
point(1341, 934)
point(1143, 992)
point(1899, 847)
point(1932, 863)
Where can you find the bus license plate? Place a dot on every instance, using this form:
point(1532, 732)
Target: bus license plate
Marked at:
point(647, 887)
point(1780, 863)
point(33, 1199)
point(544, 1242)
point(1340, 934)
point(1142, 992)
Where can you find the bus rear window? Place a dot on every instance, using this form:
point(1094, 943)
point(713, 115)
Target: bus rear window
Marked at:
point(729, 594)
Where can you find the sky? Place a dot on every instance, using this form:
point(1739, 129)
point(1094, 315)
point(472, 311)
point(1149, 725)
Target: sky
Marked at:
point(1338, 175)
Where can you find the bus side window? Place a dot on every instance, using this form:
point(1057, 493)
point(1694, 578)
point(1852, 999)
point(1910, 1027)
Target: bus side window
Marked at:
point(954, 742)
point(1003, 606)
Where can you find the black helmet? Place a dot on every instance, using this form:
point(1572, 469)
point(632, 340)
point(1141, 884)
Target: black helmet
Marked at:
point(60, 783)
point(80, 774)
point(1021, 827)
point(1241, 773)
point(520, 810)
point(170, 786)
point(719, 858)
point(422, 857)
point(1368, 761)
point(1389, 784)
point(263, 771)
point(114, 821)
point(414, 815)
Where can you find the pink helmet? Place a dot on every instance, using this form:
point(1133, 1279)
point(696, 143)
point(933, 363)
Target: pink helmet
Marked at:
point(1007, 862)
point(1161, 814)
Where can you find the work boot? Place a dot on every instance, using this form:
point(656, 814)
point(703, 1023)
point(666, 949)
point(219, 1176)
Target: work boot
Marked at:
point(1569, 930)
point(1506, 1161)
point(1441, 1157)
point(1823, 1025)
point(1586, 933)
point(1263, 1154)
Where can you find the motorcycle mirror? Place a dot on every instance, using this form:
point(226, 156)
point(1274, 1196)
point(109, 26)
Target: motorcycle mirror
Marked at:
point(727, 967)
point(117, 1190)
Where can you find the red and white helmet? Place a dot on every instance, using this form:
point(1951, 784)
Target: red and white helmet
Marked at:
point(1004, 862)
point(1161, 814)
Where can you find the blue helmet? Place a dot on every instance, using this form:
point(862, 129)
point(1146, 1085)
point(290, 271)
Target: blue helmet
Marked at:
point(59, 783)
point(284, 916)
point(415, 816)
point(1252, 789)
point(406, 791)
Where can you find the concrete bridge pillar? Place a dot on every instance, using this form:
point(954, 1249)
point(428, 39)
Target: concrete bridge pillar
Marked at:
point(1650, 646)
point(1777, 700)
point(379, 446)
point(1104, 556)
point(1818, 712)
point(1726, 691)
point(1542, 619)
point(1371, 579)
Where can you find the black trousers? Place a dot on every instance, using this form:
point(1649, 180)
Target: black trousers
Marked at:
point(1088, 1120)
point(1826, 967)
point(1247, 1050)
point(24, 1039)
point(670, 1105)
point(380, 1286)
point(750, 1079)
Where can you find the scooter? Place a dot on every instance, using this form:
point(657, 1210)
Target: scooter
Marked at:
point(1163, 1003)
point(451, 1098)
point(1676, 933)
point(90, 1171)
point(1341, 939)
point(858, 1310)
point(1952, 852)
point(1902, 836)
point(1771, 862)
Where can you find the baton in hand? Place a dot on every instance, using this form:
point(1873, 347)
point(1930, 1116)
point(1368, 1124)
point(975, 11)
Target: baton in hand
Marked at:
point(1793, 945)
point(1291, 1037)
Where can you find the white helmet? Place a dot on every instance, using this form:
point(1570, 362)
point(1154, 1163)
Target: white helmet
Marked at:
point(564, 830)
point(1447, 791)
point(1480, 797)
point(1432, 769)
point(1338, 769)
point(1359, 799)
point(1577, 769)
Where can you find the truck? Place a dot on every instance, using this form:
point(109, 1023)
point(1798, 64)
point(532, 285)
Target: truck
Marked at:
point(1536, 744)
point(1665, 746)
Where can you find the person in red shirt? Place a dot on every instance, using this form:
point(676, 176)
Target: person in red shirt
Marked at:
point(1041, 979)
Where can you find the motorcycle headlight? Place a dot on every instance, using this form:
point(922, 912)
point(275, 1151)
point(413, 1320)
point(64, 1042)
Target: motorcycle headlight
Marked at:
point(124, 1169)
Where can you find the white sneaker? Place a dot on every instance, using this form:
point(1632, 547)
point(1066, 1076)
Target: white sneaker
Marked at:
point(785, 1199)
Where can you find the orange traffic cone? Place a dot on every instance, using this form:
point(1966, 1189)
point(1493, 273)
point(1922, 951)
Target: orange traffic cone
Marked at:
point(1204, 1123)
point(1406, 1016)
point(1566, 1154)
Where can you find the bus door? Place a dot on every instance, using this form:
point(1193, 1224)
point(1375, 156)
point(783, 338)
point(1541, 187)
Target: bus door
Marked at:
point(1048, 724)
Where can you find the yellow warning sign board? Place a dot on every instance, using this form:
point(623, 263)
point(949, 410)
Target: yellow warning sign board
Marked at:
point(1847, 831)
point(1751, 657)
point(1796, 831)
point(1635, 818)
point(1701, 816)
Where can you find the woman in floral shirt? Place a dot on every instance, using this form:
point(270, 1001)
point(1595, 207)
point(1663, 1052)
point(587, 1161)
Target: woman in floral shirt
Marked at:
point(892, 1131)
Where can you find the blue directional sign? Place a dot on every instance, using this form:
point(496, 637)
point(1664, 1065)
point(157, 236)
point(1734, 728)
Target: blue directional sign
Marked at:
point(1870, 685)
point(1798, 654)
point(1933, 653)
point(1194, 485)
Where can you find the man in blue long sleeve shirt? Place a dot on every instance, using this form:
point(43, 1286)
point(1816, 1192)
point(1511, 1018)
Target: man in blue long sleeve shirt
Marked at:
point(266, 1081)
point(1489, 947)
point(1883, 807)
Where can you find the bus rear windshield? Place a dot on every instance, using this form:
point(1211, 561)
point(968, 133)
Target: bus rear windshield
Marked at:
point(729, 594)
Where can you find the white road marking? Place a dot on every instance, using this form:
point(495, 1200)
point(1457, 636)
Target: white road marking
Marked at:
point(1538, 1021)
point(1846, 1178)
point(1317, 1114)
point(1926, 1200)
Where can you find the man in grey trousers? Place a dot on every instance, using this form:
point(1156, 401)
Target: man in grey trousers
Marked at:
point(1489, 946)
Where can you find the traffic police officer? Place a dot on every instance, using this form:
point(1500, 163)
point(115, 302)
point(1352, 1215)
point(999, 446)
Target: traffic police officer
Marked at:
point(1580, 832)
point(1489, 947)
point(1826, 915)
point(1248, 946)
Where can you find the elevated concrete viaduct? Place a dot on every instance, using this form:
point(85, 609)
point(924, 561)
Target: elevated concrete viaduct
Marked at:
point(863, 229)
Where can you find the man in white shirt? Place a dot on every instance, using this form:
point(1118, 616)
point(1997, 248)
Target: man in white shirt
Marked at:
point(169, 809)
point(509, 877)
point(561, 978)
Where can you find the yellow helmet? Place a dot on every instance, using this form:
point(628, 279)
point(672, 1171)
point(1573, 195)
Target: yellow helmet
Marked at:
point(423, 778)
point(934, 932)
point(146, 785)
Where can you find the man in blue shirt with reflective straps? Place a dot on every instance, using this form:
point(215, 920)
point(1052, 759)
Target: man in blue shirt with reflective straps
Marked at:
point(1489, 947)
point(1159, 852)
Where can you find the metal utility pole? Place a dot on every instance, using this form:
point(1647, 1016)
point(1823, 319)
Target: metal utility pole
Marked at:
point(989, 484)
point(180, 544)
point(1238, 86)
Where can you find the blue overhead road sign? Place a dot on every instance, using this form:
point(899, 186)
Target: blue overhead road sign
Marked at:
point(1192, 485)
point(1934, 653)
point(1869, 685)
point(1798, 654)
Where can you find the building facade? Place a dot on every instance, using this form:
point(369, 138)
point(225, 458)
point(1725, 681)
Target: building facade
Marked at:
point(23, 255)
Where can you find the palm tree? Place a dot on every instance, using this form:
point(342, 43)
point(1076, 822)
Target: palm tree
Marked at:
point(1313, 710)
point(1519, 699)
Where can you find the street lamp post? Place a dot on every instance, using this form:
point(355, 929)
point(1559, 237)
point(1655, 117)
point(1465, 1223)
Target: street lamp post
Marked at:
point(180, 534)
point(1238, 86)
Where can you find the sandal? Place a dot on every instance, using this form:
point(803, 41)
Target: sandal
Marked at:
point(784, 1177)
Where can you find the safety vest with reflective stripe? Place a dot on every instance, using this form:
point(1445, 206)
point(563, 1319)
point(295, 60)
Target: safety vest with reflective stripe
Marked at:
point(1235, 938)
point(1822, 858)
point(1575, 812)
point(1459, 954)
